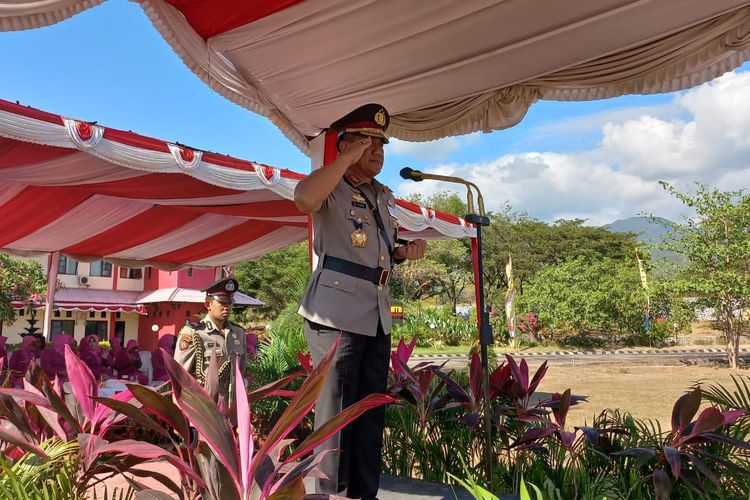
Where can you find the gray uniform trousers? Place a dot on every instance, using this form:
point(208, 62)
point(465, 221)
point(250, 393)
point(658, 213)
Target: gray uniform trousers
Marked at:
point(360, 368)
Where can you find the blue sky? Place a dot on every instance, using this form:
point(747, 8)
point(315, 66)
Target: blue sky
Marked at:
point(566, 159)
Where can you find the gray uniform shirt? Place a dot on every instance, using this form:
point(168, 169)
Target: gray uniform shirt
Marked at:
point(198, 342)
point(338, 300)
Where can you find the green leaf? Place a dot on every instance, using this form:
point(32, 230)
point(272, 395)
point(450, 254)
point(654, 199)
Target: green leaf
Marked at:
point(674, 459)
point(338, 422)
point(270, 389)
point(292, 491)
point(205, 416)
point(152, 495)
point(685, 409)
point(131, 411)
point(662, 484)
point(298, 407)
point(16, 439)
point(58, 404)
point(162, 407)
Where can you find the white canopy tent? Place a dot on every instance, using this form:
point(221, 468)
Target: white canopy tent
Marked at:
point(441, 67)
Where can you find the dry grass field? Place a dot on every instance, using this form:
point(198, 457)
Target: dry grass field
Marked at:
point(644, 391)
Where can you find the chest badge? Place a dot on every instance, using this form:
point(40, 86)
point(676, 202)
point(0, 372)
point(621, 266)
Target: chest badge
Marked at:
point(358, 237)
point(357, 197)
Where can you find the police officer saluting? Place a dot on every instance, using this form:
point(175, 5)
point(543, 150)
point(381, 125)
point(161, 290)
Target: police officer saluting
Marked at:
point(355, 230)
point(214, 335)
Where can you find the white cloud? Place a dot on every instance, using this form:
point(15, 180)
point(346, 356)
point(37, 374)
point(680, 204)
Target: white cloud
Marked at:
point(431, 151)
point(593, 123)
point(425, 151)
point(618, 178)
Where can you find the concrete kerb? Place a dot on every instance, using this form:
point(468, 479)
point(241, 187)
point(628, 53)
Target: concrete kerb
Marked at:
point(616, 352)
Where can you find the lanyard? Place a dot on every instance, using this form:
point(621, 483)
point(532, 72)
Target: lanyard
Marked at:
point(376, 215)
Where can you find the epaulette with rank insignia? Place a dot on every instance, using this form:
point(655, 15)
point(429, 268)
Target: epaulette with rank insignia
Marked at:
point(186, 336)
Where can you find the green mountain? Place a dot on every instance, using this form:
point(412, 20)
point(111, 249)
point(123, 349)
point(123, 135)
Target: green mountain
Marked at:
point(649, 231)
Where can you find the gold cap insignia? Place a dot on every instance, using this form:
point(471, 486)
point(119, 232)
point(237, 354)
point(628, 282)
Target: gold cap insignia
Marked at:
point(380, 117)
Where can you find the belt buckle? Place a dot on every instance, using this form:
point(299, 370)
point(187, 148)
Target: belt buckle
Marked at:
point(385, 277)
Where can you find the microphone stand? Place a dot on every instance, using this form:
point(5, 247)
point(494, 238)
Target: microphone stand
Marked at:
point(483, 317)
point(485, 329)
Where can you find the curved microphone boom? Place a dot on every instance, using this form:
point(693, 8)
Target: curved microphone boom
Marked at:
point(417, 176)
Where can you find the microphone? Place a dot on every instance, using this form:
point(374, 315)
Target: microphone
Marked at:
point(417, 176)
point(411, 174)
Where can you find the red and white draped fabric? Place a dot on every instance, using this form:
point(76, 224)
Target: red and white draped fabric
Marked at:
point(92, 192)
point(91, 299)
point(441, 67)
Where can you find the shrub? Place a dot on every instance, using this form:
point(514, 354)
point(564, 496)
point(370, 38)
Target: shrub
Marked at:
point(435, 326)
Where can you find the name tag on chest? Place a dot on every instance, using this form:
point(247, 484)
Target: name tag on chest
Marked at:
point(211, 346)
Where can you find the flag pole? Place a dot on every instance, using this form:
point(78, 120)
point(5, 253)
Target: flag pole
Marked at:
point(644, 284)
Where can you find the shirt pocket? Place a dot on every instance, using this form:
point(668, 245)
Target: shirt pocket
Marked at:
point(338, 281)
point(358, 216)
point(209, 348)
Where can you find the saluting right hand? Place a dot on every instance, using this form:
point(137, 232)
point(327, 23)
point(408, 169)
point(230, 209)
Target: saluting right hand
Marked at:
point(352, 151)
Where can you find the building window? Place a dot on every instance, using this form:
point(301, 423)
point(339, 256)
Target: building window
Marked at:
point(190, 271)
point(92, 313)
point(117, 315)
point(98, 328)
point(103, 314)
point(62, 327)
point(67, 265)
point(148, 272)
point(131, 273)
point(101, 268)
point(187, 313)
point(68, 314)
point(56, 313)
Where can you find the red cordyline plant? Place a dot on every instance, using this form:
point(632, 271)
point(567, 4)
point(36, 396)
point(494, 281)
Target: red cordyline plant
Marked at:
point(190, 415)
point(265, 473)
point(40, 412)
point(685, 452)
point(414, 384)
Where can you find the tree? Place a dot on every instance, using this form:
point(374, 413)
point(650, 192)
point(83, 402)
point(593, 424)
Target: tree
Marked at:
point(443, 201)
point(278, 278)
point(456, 262)
point(716, 242)
point(587, 295)
point(535, 245)
point(446, 269)
point(20, 280)
point(418, 279)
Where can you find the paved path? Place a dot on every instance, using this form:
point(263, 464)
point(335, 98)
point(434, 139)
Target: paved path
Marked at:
point(619, 356)
point(391, 487)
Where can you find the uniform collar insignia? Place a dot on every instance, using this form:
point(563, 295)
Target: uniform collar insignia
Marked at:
point(354, 178)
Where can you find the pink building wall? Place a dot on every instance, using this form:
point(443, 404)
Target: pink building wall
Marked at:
point(169, 318)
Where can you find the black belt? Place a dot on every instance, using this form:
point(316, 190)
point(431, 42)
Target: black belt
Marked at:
point(376, 275)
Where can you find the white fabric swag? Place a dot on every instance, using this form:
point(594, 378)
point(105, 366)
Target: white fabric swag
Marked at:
point(441, 67)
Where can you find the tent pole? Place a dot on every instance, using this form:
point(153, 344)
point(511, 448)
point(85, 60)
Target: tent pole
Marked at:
point(52, 262)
